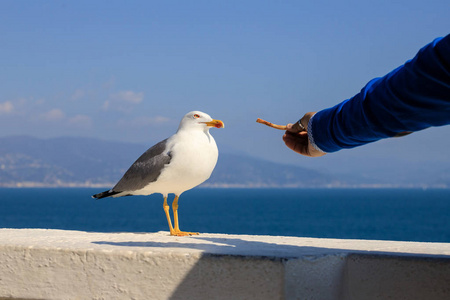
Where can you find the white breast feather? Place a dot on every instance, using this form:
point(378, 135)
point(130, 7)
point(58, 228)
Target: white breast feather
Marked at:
point(194, 157)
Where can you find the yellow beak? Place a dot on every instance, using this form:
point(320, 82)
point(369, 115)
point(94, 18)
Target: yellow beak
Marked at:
point(215, 123)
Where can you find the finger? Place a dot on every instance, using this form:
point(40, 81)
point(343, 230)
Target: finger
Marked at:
point(290, 129)
point(300, 135)
point(297, 142)
point(294, 127)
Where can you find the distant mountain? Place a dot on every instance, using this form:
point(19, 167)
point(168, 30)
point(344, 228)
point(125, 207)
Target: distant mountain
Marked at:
point(69, 161)
point(240, 170)
point(63, 161)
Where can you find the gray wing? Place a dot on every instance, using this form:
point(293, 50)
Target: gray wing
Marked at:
point(145, 169)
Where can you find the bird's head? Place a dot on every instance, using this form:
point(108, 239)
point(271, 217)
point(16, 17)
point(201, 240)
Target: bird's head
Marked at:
point(198, 119)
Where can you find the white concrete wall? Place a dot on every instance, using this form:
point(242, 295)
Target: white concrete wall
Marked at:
point(57, 264)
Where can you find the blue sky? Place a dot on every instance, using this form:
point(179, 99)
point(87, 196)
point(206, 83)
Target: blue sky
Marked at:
point(129, 70)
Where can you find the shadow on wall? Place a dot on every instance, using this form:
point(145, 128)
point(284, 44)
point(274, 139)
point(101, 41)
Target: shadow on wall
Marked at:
point(241, 269)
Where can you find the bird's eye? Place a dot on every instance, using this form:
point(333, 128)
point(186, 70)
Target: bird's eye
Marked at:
point(196, 116)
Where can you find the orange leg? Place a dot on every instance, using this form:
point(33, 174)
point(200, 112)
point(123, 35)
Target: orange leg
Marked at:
point(166, 210)
point(177, 230)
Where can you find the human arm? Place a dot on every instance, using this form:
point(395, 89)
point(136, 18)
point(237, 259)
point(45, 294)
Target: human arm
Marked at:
point(412, 97)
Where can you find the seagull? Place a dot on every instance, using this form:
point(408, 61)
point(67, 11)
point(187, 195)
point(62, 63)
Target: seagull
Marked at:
point(173, 166)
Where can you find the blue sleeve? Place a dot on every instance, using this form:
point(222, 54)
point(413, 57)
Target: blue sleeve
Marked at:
point(410, 98)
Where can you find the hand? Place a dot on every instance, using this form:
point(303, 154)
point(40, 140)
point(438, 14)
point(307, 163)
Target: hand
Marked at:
point(298, 141)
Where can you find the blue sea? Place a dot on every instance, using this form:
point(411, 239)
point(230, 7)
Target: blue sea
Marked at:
point(382, 214)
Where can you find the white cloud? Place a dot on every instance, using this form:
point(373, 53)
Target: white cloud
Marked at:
point(53, 115)
point(81, 121)
point(109, 84)
point(106, 105)
point(143, 121)
point(79, 93)
point(22, 107)
point(123, 100)
point(150, 120)
point(57, 115)
point(160, 119)
point(6, 107)
point(129, 96)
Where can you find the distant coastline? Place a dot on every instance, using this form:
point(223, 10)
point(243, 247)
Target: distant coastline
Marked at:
point(69, 162)
point(230, 186)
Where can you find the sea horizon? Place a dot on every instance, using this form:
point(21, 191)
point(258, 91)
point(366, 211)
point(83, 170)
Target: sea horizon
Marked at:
point(412, 214)
point(27, 185)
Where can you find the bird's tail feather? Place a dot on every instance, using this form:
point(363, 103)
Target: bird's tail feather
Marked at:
point(105, 194)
